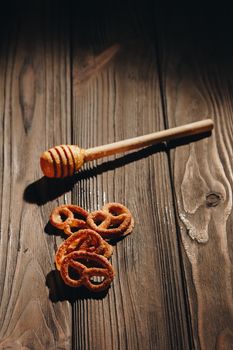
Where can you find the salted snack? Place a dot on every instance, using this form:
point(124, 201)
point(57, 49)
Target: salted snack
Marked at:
point(85, 240)
point(87, 268)
point(113, 221)
point(69, 218)
point(82, 258)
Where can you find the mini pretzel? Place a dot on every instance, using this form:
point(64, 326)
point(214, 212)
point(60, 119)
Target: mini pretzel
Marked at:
point(84, 264)
point(113, 221)
point(86, 240)
point(68, 212)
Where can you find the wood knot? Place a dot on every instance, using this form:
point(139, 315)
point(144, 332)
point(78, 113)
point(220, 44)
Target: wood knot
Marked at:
point(27, 93)
point(213, 199)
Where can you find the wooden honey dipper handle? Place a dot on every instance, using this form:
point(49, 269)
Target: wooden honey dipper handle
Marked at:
point(65, 160)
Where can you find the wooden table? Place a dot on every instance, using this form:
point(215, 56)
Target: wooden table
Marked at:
point(95, 74)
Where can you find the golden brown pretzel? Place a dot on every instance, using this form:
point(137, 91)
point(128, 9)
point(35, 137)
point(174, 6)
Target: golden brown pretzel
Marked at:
point(63, 217)
point(84, 264)
point(86, 240)
point(113, 221)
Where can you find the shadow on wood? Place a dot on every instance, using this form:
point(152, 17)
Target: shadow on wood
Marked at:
point(54, 231)
point(59, 291)
point(187, 140)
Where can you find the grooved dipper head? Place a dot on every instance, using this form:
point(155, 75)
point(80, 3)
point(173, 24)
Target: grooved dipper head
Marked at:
point(62, 161)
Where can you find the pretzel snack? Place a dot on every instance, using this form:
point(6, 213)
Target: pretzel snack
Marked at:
point(82, 258)
point(113, 221)
point(85, 240)
point(63, 218)
point(84, 265)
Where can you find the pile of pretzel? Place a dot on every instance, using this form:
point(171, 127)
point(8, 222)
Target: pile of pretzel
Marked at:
point(82, 258)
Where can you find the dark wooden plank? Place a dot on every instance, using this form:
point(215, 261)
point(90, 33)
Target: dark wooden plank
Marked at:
point(197, 76)
point(115, 96)
point(35, 114)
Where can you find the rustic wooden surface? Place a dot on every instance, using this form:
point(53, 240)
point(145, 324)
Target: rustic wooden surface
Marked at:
point(196, 78)
point(90, 75)
point(35, 114)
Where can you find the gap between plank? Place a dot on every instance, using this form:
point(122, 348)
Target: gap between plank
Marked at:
point(174, 201)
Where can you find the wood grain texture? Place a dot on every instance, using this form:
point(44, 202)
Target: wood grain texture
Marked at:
point(197, 83)
point(145, 307)
point(94, 74)
point(34, 109)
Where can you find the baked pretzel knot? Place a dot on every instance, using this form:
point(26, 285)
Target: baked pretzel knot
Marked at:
point(85, 240)
point(88, 269)
point(113, 221)
point(82, 258)
point(69, 218)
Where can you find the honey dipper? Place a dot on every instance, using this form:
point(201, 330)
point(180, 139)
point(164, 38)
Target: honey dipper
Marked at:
point(65, 160)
